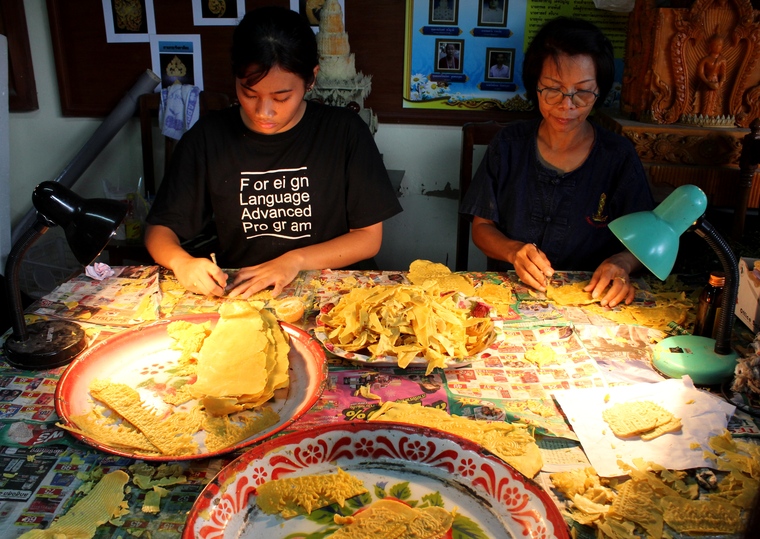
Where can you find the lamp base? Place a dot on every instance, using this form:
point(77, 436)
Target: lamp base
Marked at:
point(50, 344)
point(694, 356)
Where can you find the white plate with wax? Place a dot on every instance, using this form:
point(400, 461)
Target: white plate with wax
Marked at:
point(417, 466)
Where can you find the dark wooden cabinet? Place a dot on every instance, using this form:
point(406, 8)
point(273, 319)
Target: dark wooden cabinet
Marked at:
point(675, 155)
point(22, 90)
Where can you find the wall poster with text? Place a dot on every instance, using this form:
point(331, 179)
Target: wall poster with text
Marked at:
point(468, 54)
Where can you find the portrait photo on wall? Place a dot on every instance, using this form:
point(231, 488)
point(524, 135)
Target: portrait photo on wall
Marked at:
point(444, 12)
point(499, 64)
point(492, 13)
point(449, 55)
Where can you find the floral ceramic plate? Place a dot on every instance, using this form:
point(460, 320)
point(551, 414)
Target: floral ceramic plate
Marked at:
point(363, 356)
point(418, 466)
point(142, 358)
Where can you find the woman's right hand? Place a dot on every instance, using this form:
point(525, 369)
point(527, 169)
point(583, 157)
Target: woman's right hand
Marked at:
point(530, 263)
point(202, 276)
point(532, 266)
point(199, 275)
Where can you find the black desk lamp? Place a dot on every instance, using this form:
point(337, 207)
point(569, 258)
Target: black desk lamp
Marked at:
point(88, 225)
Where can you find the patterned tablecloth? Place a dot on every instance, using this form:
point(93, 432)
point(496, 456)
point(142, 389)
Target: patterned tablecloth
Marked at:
point(45, 470)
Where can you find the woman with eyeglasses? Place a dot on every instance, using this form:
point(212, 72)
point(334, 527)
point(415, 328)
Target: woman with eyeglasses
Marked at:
point(547, 188)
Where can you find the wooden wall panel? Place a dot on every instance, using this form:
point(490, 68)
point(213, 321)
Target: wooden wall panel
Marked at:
point(93, 75)
point(22, 90)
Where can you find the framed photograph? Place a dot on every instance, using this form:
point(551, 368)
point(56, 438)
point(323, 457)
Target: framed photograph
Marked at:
point(310, 10)
point(449, 55)
point(500, 65)
point(177, 59)
point(444, 12)
point(492, 12)
point(129, 23)
point(216, 13)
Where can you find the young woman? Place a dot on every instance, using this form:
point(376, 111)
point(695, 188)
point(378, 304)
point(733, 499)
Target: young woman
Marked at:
point(547, 188)
point(291, 185)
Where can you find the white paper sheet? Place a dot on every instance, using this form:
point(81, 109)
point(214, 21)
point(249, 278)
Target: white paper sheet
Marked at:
point(706, 416)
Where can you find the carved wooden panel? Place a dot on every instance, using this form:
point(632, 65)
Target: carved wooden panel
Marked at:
point(698, 65)
point(710, 149)
point(675, 155)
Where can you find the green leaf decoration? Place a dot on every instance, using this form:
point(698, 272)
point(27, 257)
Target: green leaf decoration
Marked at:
point(380, 492)
point(177, 383)
point(325, 514)
point(401, 491)
point(321, 534)
point(465, 528)
point(148, 382)
point(434, 499)
point(357, 502)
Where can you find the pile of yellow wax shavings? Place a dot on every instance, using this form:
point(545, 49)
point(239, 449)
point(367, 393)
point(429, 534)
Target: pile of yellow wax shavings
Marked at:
point(104, 500)
point(654, 497)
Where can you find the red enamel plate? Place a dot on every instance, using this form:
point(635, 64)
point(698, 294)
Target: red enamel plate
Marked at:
point(142, 358)
point(416, 465)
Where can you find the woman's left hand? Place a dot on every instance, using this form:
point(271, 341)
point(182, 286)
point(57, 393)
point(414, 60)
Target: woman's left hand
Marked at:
point(615, 274)
point(277, 273)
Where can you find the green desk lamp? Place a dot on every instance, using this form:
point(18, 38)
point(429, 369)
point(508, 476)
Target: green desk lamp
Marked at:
point(653, 238)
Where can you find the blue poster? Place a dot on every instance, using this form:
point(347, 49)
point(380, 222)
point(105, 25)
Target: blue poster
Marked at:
point(468, 54)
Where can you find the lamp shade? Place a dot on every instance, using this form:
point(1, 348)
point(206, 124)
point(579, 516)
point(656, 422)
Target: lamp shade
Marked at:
point(653, 236)
point(87, 223)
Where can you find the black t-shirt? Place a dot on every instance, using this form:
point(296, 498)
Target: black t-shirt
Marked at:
point(269, 194)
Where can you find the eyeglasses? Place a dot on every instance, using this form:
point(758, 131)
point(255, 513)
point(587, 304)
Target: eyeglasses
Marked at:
point(581, 98)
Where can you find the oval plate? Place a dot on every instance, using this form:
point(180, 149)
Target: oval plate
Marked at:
point(142, 358)
point(419, 466)
point(391, 361)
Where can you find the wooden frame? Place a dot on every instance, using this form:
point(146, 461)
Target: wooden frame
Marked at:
point(22, 90)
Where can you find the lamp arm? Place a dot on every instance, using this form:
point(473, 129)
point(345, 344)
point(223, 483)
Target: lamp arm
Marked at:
point(727, 259)
point(116, 119)
point(12, 272)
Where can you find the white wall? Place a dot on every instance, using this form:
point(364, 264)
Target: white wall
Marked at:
point(43, 142)
point(428, 153)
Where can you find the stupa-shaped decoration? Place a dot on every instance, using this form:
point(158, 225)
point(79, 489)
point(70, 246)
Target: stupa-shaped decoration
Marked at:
point(338, 82)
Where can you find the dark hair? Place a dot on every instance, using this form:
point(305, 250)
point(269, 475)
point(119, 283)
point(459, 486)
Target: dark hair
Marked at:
point(571, 36)
point(273, 36)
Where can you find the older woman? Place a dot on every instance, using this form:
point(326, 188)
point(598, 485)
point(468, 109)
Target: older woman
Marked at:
point(547, 188)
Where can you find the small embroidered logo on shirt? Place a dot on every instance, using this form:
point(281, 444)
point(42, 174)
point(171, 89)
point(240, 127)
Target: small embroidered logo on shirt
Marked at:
point(599, 216)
